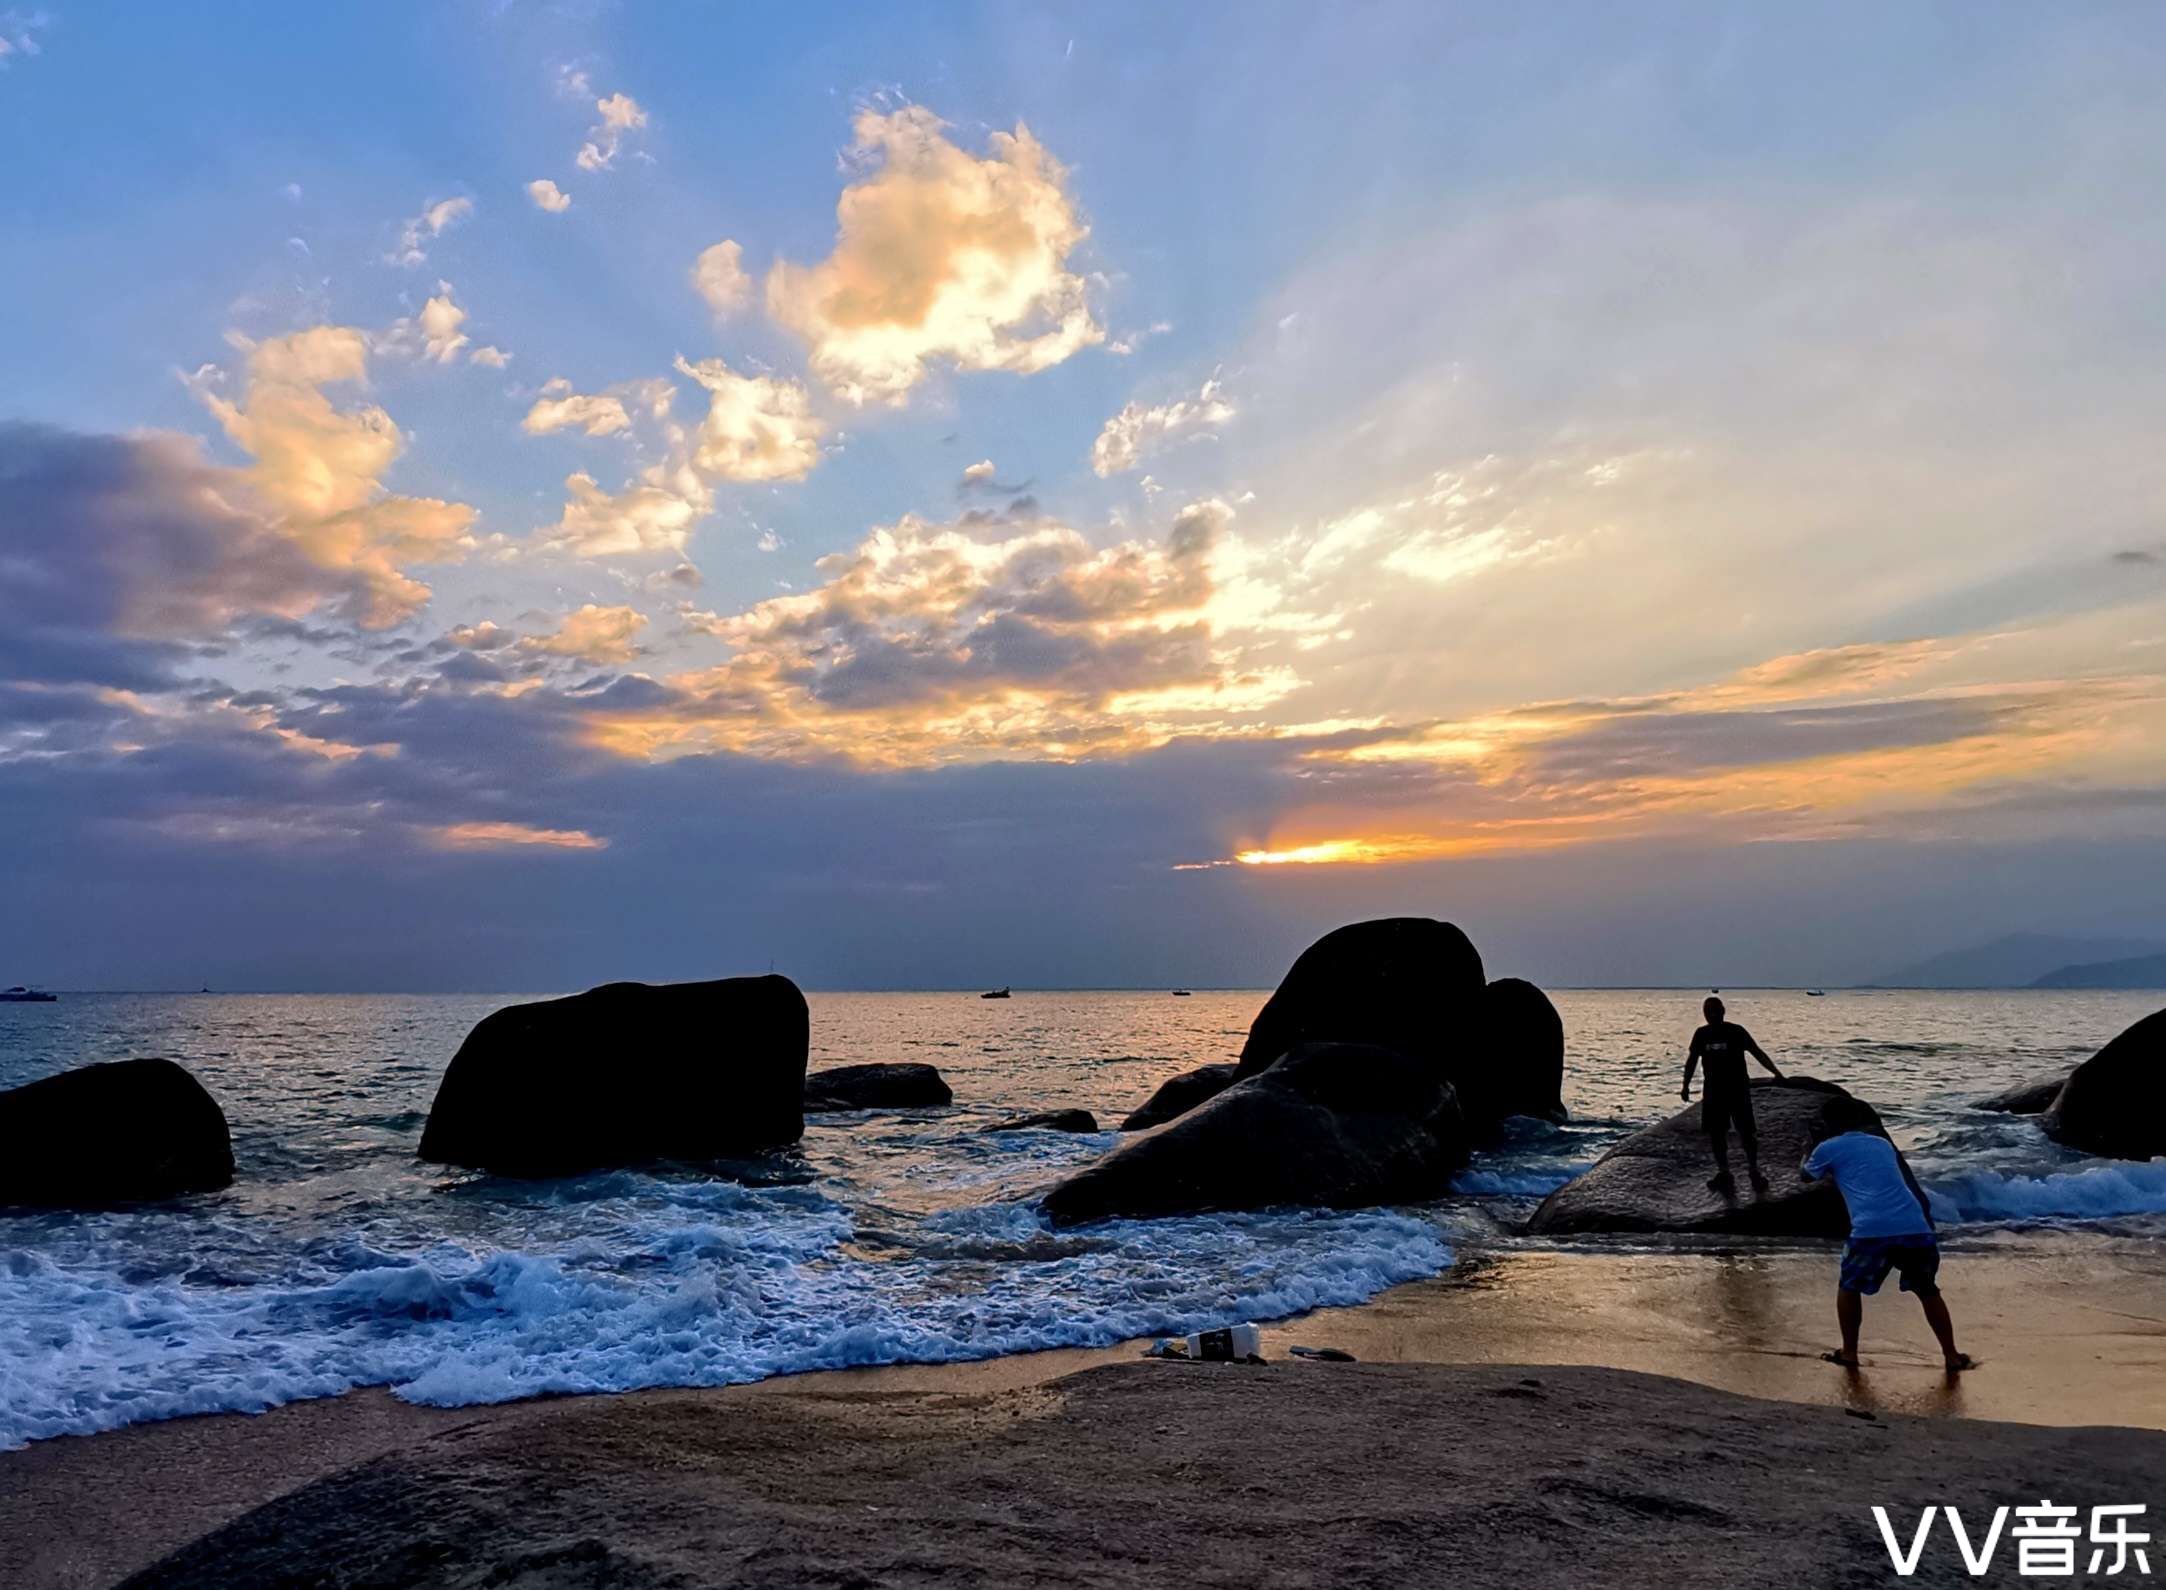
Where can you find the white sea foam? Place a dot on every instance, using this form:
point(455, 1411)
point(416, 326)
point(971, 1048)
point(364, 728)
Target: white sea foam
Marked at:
point(2096, 1192)
point(763, 1286)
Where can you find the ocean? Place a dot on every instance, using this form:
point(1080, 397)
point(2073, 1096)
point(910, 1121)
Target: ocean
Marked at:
point(337, 1260)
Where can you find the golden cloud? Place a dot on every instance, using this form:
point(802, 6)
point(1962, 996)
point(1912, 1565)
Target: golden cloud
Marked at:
point(940, 254)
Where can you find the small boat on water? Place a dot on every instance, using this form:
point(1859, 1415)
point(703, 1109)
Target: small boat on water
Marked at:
point(1816, 993)
point(998, 993)
point(20, 995)
point(1180, 993)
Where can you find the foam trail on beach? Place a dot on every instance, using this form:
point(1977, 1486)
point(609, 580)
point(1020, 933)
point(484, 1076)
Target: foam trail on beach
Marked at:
point(764, 1286)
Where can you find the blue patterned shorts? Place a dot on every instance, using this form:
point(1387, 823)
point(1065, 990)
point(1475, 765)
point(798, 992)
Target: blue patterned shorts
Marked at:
point(1867, 1261)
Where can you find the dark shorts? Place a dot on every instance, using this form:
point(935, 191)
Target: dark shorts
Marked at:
point(1719, 1111)
point(1867, 1261)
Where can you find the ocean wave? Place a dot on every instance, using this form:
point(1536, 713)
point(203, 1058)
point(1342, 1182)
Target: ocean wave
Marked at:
point(1525, 1183)
point(760, 1286)
point(2096, 1192)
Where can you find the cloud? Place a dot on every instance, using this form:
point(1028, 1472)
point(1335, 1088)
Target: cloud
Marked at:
point(599, 635)
point(939, 642)
point(18, 35)
point(939, 255)
point(642, 518)
point(548, 196)
point(417, 233)
point(719, 277)
point(1129, 341)
point(981, 470)
point(494, 358)
point(519, 836)
point(620, 115)
point(599, 414)
point(757, 427)
point(437, 327)
point(1137, 432)
point(318, 470)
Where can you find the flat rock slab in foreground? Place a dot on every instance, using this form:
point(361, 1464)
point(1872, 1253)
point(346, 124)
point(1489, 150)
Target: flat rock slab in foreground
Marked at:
point(1656, 1179)
point(1147, 1474)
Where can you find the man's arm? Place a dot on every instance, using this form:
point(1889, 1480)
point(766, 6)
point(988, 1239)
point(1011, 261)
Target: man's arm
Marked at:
point(1692, 1063)
point(1760, 1055)
point(1925, 1204)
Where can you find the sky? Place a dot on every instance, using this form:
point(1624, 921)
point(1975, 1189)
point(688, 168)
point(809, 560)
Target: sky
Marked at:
point(513, 496)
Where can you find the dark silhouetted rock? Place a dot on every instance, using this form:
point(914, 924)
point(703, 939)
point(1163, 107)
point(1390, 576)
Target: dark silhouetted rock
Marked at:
point(2115, 1102)
point(1404, 983)
point(1520, 1069)
point(2027, 1098)
point(114, 1133)
point(1048, 1121)
point(899, 1086)
point(623, 1074)
point(1339, 1126)
point(1656, 1179)
point(1178, 1095)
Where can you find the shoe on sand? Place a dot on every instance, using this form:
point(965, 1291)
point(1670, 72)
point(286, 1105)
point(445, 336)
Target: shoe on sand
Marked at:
point(1759, 1181)
point(1720, 1182)
point(1961, 1362)
point(1834, 1356)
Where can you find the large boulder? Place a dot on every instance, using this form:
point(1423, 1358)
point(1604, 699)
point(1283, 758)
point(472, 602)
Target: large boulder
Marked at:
point(114, 1133)
point(1338, 1126)
point(1520, 1070)
point(623, 1074)
point(2026, 1098)
point(2115, 1102)
point(1656, 1179)
point(1405, 983)
point(1180, 1094)
point(901, 1085)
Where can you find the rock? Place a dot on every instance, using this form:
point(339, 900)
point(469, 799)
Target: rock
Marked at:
point(1048, 1121)
point(1330, 1125)
point(2115, 1102)
point(2026, 1098)
point(623, 1074)
point(119, 1132)
point(1520, 1070)
point(1656, 1179)
point(1403, 983)
point(900, 1086)
point(1178, 1095)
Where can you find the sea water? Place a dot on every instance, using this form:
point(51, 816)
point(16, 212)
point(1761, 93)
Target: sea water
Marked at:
point(337, 1260)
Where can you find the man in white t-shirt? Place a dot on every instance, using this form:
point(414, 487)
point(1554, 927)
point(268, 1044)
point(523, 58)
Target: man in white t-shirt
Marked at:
point(1891, 1228)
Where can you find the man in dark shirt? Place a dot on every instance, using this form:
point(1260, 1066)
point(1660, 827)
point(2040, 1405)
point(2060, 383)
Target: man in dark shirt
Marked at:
point(1722, 1047)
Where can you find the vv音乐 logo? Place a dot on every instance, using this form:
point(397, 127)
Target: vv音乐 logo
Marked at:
point(2047, 1537)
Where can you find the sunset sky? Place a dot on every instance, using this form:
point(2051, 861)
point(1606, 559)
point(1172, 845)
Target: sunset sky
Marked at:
point(512, 496)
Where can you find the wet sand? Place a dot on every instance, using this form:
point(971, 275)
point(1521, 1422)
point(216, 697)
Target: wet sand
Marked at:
point(2071, 1335)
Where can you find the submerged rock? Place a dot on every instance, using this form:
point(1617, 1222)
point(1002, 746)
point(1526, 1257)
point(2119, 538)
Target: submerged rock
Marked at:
point(626, 1073)
point(1406, 983)
point(120, 1132)
point(1330, 1125)
point(2027, 1098)
point(1520, 1068)
point(1048, 1121)
point(2115, 1102)
point(1178, 1095)
point(1656, 1179)
point(902, 1085)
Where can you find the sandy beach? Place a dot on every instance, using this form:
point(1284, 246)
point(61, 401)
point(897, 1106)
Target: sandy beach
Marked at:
point(1044, 1467)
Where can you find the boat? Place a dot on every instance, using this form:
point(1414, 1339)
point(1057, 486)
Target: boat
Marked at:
point(1180, 993)
point(19, 995)
point(1816, 993)
point(998, 993)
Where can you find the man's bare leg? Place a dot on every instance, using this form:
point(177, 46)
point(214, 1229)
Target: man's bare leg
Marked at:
point(1936, 1315)
point(1849, 1314)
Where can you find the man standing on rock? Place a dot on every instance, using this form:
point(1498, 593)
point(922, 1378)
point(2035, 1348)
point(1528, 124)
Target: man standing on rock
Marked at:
point(1722, 1046)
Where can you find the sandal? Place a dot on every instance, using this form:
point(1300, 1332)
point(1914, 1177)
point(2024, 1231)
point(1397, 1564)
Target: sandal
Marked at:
point(1834, 1356)
point(1961, 1362)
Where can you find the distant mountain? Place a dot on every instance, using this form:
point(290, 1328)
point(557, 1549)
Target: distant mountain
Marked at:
point(2017, 961)
point(2138, 971)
